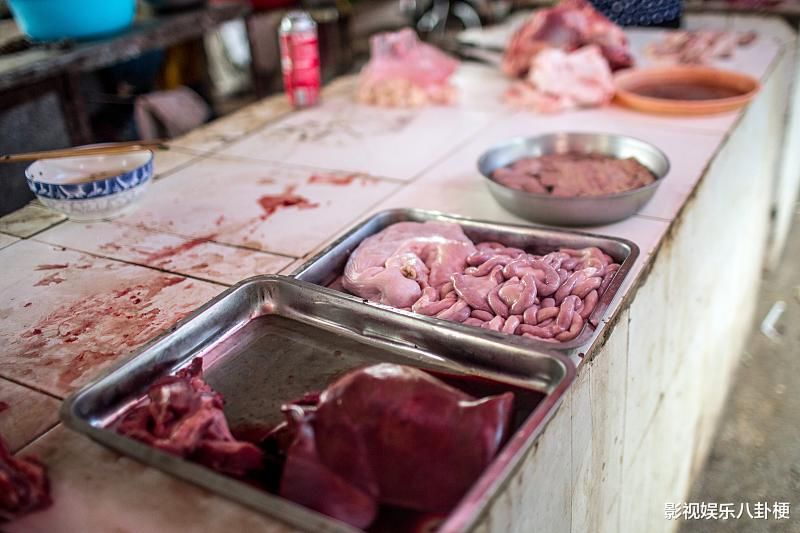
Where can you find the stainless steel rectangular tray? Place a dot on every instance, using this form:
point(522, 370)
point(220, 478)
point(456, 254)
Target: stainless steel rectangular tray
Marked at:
point(326, 266)
point(271, 338)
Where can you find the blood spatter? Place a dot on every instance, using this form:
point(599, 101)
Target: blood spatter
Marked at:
point(97, 328)
point(340, 179)
point(165, 254)
point(273, 203)
point(52, 279)
point(80, 364)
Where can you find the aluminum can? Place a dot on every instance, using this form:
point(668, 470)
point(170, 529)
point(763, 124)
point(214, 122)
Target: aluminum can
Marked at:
point(300, 58)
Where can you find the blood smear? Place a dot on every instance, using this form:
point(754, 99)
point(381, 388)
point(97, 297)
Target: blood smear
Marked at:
point(167, 252)
point(332, 179)
point(52, 279)
point(272, 203)
point(51, 267)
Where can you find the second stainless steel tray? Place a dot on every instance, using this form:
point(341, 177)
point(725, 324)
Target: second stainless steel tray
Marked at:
point(326, 266)
point(271, 339)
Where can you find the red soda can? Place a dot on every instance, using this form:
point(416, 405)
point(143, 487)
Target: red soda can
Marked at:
point(300, 58)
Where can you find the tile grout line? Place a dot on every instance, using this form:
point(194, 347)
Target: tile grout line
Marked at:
point(132, 263)
point(37, 437)
point(171, 233)
point(30, 387)
point(40, 437)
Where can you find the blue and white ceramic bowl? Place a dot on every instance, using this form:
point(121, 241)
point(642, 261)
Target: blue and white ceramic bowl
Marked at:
point(91, 187)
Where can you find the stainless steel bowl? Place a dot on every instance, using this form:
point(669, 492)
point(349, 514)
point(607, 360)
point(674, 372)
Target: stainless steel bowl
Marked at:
point(581, 210)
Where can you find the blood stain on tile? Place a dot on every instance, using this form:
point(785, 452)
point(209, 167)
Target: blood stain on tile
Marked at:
point(272, 203)
point(105, 324)
point(52, 267)
point(165, 254)
point(51, 279)
point(341, 179)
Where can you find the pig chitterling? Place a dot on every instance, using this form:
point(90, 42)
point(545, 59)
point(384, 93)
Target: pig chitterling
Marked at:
point(482, 285)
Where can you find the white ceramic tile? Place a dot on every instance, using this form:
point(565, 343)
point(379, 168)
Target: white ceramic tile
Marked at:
point(647, 368)
point(65, 315)
point(341, 135)
point(638, 492)
point(95, 489)
point(598, 422)
point(167, 161)
point(7, 240)
point(29, 220)
point(214, 135)
point(223, 200)
point(481, 87)
point(583, 480)
point(193, 257)
point(24, 414)
point(776, 28)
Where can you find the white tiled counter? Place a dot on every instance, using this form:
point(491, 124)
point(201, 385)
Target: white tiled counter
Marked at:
point(633, 429)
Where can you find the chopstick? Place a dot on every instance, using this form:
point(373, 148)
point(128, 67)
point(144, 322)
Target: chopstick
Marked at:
point(107, 149)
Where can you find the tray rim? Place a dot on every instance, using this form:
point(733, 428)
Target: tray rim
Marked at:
point(464, 516)
point(538, 345)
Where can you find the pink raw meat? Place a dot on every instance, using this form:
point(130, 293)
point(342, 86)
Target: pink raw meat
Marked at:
point(434, 270)
point(697, 47)
point(561, 80)
point(568, 26)
point(393, 266)
point(182, 415)
point(351, 452)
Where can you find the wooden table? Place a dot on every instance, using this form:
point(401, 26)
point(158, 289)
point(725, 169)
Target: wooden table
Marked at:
point(633, 429)
point(31, 73)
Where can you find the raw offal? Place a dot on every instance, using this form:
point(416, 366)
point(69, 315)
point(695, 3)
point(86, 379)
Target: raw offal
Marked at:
point(24, 486)
point(433, 269)
point(405, 72)
point(394, 266)
point(183, 416)
point(698, 47)
point(574, 175)
point(568, 26)
point(558, 81)
point(388, 435)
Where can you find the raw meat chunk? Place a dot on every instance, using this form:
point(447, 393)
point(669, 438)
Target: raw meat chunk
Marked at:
point(394, 435)
point(24, 486)
point(393, 266)
point(182, 415)
point(568, 26)
point(698, 47)
point(559, 81)
point(576, 175)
